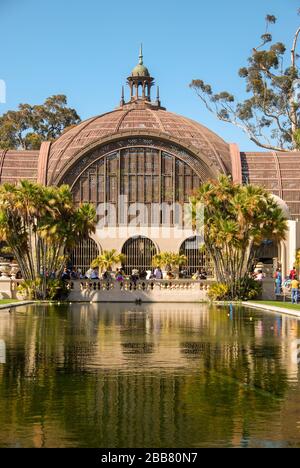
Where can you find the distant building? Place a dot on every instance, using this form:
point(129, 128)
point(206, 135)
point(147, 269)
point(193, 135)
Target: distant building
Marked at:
point(142, 154)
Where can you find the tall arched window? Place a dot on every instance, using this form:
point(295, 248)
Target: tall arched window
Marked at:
point(138, 175)
point(84, 253)
point(139, 252)
point(197, 256)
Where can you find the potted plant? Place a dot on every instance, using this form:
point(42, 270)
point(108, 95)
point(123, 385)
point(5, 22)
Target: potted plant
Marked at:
point(169, 262)
point(108, 260)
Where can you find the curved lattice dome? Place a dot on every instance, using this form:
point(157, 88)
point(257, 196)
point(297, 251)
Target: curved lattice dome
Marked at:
point(138, 118)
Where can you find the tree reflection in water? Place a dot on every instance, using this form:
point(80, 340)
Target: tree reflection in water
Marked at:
point(147, 376)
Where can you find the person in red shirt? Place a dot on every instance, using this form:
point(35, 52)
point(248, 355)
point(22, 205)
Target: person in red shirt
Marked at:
point(293, 274)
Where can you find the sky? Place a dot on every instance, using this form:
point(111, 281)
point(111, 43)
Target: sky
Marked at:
point(87, 49)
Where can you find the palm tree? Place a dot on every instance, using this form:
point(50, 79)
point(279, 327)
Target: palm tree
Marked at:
point(169, 261)
point(108, 260)
point(38, 224)
point(237, 220)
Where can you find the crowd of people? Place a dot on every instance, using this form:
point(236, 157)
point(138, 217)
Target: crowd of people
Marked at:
point(290, 283)
point(70, 274)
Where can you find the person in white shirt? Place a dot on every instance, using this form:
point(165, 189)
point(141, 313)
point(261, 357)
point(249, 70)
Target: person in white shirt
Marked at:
point(94, 275)
point(158, 274)
point(259, 276)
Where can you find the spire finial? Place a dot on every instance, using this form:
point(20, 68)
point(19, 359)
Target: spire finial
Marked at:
point(123, 97)
point(158, 97)
point(141, 57)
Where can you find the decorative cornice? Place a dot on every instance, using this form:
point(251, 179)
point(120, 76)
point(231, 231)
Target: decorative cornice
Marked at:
point(117, 141)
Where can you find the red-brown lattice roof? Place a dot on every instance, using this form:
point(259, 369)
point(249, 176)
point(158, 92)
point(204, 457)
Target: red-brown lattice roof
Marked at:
point(138, 118)
point(278, 172)
point(17, 165)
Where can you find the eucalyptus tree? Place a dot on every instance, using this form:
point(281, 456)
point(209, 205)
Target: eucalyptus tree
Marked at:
point(39, 224)
point(270, 115)
point(28, 126)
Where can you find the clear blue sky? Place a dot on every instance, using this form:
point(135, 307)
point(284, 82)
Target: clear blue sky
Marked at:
point(86, 49)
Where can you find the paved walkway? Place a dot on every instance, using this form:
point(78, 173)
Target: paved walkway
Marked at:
point(269, 308)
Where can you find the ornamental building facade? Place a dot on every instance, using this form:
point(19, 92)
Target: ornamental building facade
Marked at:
point(139, 164)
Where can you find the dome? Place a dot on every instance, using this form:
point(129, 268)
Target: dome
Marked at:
point(138, 119)
point(140, 70)
point(282, 204)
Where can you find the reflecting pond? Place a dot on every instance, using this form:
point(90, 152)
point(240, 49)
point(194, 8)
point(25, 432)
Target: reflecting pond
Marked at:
point(148, 376)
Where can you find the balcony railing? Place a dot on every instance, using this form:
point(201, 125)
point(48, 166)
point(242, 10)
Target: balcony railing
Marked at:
point(145, 286)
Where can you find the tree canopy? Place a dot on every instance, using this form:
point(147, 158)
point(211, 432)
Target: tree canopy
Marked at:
point(270, 116)
point(237, 220)
point(39, 225)
point(30, 125)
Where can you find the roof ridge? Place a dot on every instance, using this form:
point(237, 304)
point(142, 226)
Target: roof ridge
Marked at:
point(153, 112)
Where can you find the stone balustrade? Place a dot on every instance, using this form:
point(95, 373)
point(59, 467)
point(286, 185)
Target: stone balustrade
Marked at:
point(9, 288)
point(140, 291)
point(147, 285)
point(172, 291)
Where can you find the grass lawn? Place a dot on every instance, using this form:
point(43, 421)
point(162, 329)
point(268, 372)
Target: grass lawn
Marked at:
point(284, 305)
point(7, 301)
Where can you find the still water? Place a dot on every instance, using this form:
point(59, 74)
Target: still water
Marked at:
point(148, 376)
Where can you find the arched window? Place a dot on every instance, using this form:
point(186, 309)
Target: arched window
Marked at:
point(138, 175)
point(139, 252)
point(267, 252)
point(84, 253)
point(197, 256)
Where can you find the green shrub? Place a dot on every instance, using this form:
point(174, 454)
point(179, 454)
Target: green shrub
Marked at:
point(247, 289)
point(218, 292)
point(56, 289)
point(28, 289)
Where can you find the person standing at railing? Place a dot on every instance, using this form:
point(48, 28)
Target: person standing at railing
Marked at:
point(150, 275)
point(74, 274)
point(135, 276)
point(143, 275)
point(295, 289)
point(80, 275)
point(196, 276)
point(89, 273)
point(278, 282)
point(120, 277)
point(293, 274)
point(158, 274)
point(66, 275)
point(203, 274)
point(94, 274)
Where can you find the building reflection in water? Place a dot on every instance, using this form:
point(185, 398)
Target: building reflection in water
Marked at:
point(147, 376)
